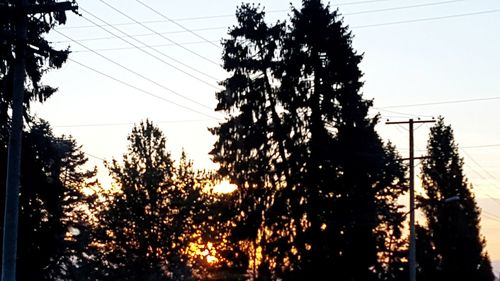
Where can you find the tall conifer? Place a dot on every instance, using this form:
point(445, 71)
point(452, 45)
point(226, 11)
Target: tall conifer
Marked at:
point(317, 185)
point(453, 227)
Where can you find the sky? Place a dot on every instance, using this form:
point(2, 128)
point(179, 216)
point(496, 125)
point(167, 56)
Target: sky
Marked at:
point(161, 60)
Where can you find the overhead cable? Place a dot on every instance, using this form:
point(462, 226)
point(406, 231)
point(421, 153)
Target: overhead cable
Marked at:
point(143, 91)
point(161, 35)
point(142, 47)
point(152, 55)
point(136, 73)
point(441, 102)
point(172, 21)
point(427, 19)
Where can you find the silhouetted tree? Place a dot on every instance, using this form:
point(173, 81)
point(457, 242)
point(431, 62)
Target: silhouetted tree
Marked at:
point(453, 227)
point(250, 142)
point(149, 218)
point(37, 63)
point(51, 223)
point(317, 186)
point(427, 256)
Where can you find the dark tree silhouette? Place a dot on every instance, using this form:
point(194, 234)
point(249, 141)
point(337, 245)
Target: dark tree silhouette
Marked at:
point(427, 256)
point(37, 63)
point(250, 142)
point(149, 219)
point(51, 225)
point(453, 228)
point(317, 187)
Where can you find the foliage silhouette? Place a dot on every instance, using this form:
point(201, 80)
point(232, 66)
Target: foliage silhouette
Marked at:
point(453, 228)
point(52, 223)
point(317, 186)
point(154, 213)
point(37, 63)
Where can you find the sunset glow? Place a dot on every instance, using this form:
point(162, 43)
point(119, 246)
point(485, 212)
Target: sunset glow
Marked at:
point(205, 252)
point(225, 187)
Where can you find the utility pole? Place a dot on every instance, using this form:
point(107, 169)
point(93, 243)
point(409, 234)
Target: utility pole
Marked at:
point(412, 255)
point(11, 217)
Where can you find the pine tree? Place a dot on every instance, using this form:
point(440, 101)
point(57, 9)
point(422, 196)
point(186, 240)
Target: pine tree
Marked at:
point(453, 228)
point(317, 186)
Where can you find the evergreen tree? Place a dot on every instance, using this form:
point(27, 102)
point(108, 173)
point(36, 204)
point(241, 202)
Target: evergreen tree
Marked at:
point(317, 186)
point(37, 62)
point(453, 228)
point(145, 227)
point(250, 143)
point(36, 259)
point(52, 223)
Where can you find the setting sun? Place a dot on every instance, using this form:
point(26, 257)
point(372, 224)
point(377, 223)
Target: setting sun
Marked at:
point(225, 187)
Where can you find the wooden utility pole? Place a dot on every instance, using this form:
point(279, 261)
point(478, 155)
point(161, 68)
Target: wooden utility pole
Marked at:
point(11, 215)
point(19, 13)
point(412, 257)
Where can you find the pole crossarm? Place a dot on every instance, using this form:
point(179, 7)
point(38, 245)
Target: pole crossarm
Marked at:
point(416, 158)
point(407, 122)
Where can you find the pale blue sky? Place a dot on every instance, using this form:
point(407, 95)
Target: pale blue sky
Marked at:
point(445, 59)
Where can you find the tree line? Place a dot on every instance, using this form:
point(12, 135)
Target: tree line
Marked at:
point(318, 190)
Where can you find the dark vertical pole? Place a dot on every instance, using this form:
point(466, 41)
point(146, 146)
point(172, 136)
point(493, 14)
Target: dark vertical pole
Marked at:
point(412, 258)
point(11, 217)
point(412, 255)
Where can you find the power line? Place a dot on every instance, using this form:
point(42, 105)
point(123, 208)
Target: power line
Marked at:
point(172, 21)
point(479, 165)
point(159, 34)
point(141, 90)
point(218, 16)
point(136, 73)
point(428, 19)
point(481, 146)
point(481, 176)
point(150, 54)
point(360, 2)
point(346, 14)
point(495, 200)
point(137, 35)
point(163, 21)
point(225, 27)
point(95, 157)
point(127, 123)
point(185, 30)
point(467, 147)
point(491, 216)
point(401, 113)
point(402, 7)
point(142, 47)
point(441, 102)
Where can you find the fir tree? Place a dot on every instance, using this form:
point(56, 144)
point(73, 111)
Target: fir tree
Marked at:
point(317, 186)
point(52, 223)
point(37, 62)
point(453, 228)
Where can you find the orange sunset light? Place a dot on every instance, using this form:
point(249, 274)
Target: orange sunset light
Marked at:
point(224, 187)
